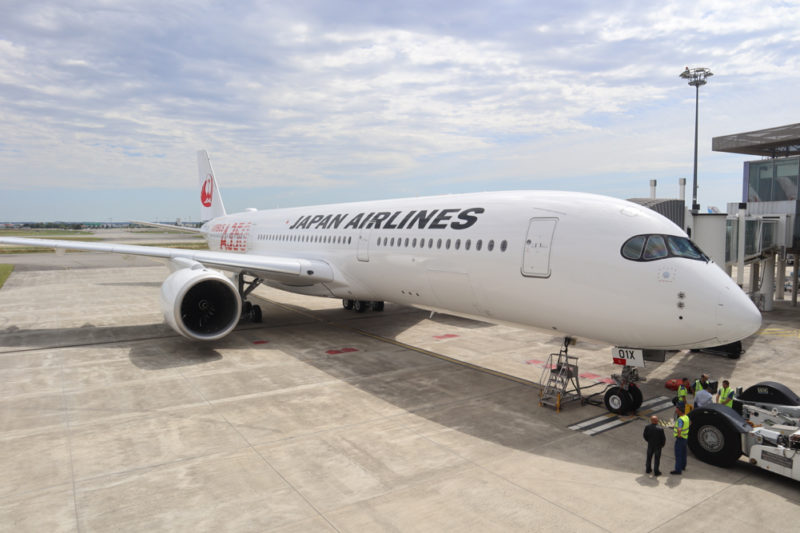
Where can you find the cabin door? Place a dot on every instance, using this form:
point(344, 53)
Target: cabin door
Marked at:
point(363, 245)
point(538, 243)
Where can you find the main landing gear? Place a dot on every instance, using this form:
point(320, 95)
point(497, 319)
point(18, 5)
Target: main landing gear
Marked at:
point(250, 312)
point(360, 306)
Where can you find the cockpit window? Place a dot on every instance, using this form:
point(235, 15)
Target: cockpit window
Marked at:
point(633, 248)
point(682, 247)
point(654, 247)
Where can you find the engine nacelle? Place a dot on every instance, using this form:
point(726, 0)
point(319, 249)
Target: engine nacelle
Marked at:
point(200, 304)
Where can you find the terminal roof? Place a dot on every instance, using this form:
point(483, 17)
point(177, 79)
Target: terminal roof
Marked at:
point(782, 141)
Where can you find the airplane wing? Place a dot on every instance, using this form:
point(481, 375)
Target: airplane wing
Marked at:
point(290, 270)
point(172, 227)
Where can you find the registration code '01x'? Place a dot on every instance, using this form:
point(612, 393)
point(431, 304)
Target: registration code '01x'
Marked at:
point(628, 356)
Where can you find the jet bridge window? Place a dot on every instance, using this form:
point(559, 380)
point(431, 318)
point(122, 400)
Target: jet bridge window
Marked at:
point(654, 247)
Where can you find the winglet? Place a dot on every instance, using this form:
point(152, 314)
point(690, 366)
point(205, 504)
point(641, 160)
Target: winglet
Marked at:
point(211, 205)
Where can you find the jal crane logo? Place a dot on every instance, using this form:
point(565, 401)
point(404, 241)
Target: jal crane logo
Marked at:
point(207, 191)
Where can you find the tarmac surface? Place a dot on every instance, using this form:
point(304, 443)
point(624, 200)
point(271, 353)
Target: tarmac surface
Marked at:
point(321, 419)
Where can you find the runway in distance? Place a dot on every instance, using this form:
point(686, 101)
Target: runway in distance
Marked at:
point(572, 264)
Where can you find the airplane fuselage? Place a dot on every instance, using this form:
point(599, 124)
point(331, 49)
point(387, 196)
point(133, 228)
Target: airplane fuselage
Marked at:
point(549, 260)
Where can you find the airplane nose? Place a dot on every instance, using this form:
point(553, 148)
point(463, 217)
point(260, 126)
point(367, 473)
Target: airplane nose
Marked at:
point(737, 316)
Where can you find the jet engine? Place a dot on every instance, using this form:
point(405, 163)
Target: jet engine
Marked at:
point(200, 304)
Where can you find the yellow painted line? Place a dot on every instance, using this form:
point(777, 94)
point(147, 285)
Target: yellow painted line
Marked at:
point(780, 332)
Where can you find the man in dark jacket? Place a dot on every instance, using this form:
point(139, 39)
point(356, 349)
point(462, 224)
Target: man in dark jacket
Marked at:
point(654, 435)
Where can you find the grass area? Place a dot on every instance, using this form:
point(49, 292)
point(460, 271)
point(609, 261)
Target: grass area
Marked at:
point(40, 232)
point(5, 271)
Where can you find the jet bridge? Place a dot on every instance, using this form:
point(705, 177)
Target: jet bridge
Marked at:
point(764, 230)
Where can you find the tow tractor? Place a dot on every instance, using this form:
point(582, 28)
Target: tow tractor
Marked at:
point(764, 425)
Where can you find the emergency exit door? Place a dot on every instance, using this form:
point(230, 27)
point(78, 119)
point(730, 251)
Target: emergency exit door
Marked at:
point(538, 243)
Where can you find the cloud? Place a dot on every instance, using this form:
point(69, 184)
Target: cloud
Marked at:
point(338, 95)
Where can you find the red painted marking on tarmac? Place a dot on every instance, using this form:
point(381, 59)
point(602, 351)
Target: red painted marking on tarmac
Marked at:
point(260, 342)
point(589, 375)
point(606, 380)
point(445, 336)
point(534, 362)
point(343, 350)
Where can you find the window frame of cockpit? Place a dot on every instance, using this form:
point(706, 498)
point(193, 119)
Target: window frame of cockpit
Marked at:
point(669, 247)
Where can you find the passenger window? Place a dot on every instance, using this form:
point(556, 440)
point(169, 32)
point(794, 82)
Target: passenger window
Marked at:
point(406, 243)
point(467, 244)
point(422, 243)
point(478, 245)
point(391, 242)
point(414, 243)
point(447, 244)
point(458, 244)
point(503, 246)
point(490, 246)
point(439, 244)
point(656, 248)
point(430, 243)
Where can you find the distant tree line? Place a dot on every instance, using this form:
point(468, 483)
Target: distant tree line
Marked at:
point(54, 225)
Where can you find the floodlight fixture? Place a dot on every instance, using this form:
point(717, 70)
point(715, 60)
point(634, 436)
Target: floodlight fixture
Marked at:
point(696, 77)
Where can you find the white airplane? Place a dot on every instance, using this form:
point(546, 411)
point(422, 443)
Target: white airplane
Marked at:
point(568, 263)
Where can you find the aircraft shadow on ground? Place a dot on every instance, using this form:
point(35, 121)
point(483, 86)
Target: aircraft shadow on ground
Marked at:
point(142, 353)
point(491, 407)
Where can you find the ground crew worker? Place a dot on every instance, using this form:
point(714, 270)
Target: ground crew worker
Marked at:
point(701, 384)
point(681, 434)
point(725, 394)
point(654, 435)
point(702, 397)
point(683, 390)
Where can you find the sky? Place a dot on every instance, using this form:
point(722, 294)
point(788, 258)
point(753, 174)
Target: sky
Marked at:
point(104, 104)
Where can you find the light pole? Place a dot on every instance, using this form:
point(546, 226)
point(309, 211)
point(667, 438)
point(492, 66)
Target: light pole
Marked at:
point(696, 77)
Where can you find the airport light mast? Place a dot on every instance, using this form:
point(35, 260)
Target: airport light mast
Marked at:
point(696, 77)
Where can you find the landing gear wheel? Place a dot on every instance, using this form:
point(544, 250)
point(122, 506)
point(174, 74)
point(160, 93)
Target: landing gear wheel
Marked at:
point(347, 304)
point(734, 350)
point(377, 306)
point(359, 306)
point(247, 308)
point(636, 396)
point(256, 314)
point(618, 400)
point(712, 440)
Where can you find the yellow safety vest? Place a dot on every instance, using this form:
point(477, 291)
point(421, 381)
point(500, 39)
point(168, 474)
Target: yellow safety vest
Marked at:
point(726, 396)
point(682, 393)
point(698, 386)
point(681, 433)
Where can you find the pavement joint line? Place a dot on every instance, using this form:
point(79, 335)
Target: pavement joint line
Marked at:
point(80, 345)
point(252, 447)
point(68, 438)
